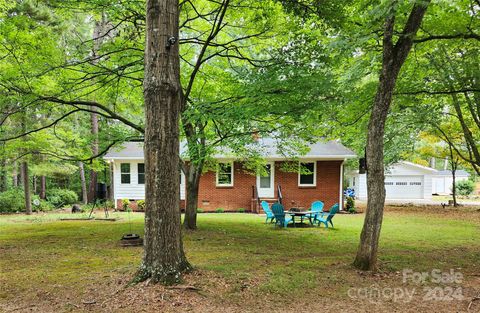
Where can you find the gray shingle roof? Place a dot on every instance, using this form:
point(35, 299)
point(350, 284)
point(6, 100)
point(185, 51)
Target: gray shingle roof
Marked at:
point(449, 173)
point(267, 147)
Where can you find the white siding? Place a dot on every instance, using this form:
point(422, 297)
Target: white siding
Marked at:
point(134, 190)
point(442, 185)
point(427, 187)
point(362, 186)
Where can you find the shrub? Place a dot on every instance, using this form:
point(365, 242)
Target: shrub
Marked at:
point(219, 210)
point(86, 207)
point(241, 210)
point(465, 187)
point(125, 204)
point(61, 197)
point(12, 200)
point(141, 205)
point(199, 210)
point(43, 205)
point(109, 204)
point(350, 204)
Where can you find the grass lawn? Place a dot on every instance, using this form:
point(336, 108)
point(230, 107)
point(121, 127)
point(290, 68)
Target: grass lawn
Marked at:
point(242, 265)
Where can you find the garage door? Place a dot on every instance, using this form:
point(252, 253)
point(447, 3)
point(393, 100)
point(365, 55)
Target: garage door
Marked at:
point(404, 187)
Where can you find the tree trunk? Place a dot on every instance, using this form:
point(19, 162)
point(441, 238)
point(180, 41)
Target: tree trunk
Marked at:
point(3, 175)
point(393, 58)
point(26, 188)
point(15, 175)
point(453, 166)
point(454, 189)
point(43, 187)
point(93, 173)
point(22, 175)
point(192, 177)
point(164, 259)
point(35, 185)
point(83, 183)
point(99, 35)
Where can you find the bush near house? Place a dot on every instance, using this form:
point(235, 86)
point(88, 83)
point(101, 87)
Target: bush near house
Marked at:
point(61, 197)
point(12, 200)
point(125, 204)
point(465, 187)
point(141, 205)
point(219, 210)
point(241, 210)
point(350, 207)
point(199, 210)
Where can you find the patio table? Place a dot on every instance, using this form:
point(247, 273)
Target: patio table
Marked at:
point(301, 214)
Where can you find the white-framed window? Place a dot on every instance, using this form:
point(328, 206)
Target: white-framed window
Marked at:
point(141, 173)
point(225, 174)
point(125, 173)
point(307, 174)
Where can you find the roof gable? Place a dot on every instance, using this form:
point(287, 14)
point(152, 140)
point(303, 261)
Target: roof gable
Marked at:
point(267, 148)
point(409, 168)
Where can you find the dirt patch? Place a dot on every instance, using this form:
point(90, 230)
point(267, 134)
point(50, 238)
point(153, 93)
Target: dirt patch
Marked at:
point(206, 292)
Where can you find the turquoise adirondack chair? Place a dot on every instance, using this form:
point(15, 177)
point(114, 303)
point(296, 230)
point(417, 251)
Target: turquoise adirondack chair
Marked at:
point(268, 212)
point(316, 208)
point(279, 213)
point(326, 217)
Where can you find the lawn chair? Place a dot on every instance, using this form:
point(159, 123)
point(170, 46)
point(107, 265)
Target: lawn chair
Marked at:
point(266, 209)
point(326, 217)
point(316, 208)
point(279, 213)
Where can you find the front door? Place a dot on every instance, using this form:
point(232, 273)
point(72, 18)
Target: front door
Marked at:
point(265, 181)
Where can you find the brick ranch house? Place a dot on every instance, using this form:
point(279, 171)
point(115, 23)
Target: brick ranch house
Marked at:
point(232, 187)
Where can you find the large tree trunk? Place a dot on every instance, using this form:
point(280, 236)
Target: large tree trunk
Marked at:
point(393, 58)
point(83, 182)
point(164, 259)
point(26, 188)
point(192, 180)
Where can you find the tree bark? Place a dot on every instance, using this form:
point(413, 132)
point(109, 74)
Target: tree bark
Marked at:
point(93, 173)
point(453, 166)
point(15, 175)
point(99, 34)
point(192, 176)
point(26, 188)
point(3, 175)
point(394, 55)
point(164, 259)
point(83, 182)
point(43, 187)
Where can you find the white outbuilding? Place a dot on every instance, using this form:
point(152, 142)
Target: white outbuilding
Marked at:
point(442, 181)
point(403, 180)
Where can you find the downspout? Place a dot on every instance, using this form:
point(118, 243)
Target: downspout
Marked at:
point(340, 203)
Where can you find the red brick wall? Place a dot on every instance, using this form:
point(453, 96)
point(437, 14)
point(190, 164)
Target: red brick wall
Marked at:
point(211, 197)
point(327, 188)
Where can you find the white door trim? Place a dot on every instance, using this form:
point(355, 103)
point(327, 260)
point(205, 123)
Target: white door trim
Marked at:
point(267, 192)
